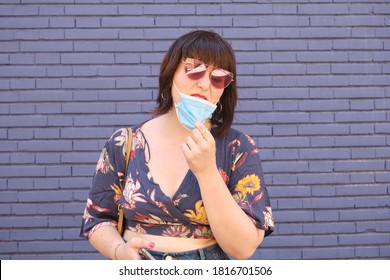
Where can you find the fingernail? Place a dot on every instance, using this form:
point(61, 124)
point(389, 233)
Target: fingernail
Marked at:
point(151, 245)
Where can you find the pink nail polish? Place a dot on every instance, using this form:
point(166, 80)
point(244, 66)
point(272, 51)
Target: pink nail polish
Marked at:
point(151, 245)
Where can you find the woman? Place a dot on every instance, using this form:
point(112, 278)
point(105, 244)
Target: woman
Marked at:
point(194, 187)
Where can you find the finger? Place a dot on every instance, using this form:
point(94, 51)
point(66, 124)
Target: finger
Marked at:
point(203, 130)
point(137, 243)
point(197, 135)
point(186, 150)
point(191, 143)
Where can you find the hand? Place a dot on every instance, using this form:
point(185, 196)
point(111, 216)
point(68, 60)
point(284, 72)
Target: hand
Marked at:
point(199, 150)
point(129, 250)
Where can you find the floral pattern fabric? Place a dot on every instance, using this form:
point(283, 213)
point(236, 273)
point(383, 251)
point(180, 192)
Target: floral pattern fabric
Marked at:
point(148, 210)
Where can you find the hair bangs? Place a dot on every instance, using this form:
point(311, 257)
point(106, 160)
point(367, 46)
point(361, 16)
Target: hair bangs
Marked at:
point(210, 49)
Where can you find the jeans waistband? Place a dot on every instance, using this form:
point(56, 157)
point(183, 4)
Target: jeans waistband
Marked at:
point(213, 252)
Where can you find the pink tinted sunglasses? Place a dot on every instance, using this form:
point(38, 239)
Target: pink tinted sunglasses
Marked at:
point(196, 69)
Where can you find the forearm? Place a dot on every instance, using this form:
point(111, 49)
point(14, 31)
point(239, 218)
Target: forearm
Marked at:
point(110, 244)
point(232, 228)
point(105, 240)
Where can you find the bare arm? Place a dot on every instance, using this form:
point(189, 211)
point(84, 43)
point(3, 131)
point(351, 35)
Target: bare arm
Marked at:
point(232, 228)
point(110, 244)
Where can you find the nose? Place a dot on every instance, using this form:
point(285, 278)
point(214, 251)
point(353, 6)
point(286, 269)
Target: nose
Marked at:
point(204, 83)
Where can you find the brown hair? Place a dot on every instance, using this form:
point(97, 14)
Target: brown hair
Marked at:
point(210, 48)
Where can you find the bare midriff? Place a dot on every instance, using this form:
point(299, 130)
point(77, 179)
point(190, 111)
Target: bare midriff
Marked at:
point(171, 244)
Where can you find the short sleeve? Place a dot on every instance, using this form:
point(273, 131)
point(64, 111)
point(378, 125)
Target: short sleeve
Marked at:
point(102, 204)
point(246, 182)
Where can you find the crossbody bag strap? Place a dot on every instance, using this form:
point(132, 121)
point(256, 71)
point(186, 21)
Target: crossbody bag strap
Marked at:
point(127, 157)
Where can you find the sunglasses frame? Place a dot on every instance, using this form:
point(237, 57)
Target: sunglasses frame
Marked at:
point(195, 61)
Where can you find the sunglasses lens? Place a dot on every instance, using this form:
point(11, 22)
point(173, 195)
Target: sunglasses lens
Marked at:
point(196, 69)
point(220, 79)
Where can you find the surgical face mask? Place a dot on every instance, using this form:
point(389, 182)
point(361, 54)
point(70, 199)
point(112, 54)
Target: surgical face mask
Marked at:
point(192, 109)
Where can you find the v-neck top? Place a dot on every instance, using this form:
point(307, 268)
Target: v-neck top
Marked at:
point(149, 210)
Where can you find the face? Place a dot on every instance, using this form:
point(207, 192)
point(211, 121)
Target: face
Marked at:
point(197, 79)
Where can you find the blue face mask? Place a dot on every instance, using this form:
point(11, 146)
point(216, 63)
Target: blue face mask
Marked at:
point(192, 109)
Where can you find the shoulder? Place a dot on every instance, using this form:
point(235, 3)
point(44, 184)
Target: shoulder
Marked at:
point(120, 137)
point(239, 139)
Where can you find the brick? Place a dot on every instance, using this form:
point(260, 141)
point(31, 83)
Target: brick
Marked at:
point(360, 141)
point(321, 241)
point(294, 241)
point(53, 196)
point(328, 253)
point(85, 83)
point(324, 191)
point(367, 252)
point(284, 130)
point(321, 117)
point(20, 133)
point(364, 239)
point(36, 234)
point(79, 157)
point(9, 196)
point(46, 183)
point(90, 46)
point(353, 92)
point(326, 216)
point(64, 221)
point(20, 184)
point(124, 71)
point(328, 203)
point(358, 44)
point(372, 202)
point(280, 69)
point(281, 45)
point(325, 32)
point(323, 9)
point(329, 228)
point(49, 95)
point(334, 153)
point(322, 56)
point(21, 171)
point(384, 251)
point(46, 46)
point(22, 158)
point(45, 246)
point(322, 166)
point(58, 171)
point(356, 68)
point(8, 247)
point(283, 117)
point(75, 108)
point(292, 142)
point(365, 214)
point(288, 192)
point(373, 226)
point(323, 178)
point(275, 253)
point(360, 165)
point(286, 166)
point(158, 9)
point(25, 222)
point(101, 58)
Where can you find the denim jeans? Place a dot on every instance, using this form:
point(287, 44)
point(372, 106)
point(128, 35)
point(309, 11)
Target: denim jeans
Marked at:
point(213, 252)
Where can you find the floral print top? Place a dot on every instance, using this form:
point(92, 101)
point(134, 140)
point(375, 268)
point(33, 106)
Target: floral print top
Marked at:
point(148, 210)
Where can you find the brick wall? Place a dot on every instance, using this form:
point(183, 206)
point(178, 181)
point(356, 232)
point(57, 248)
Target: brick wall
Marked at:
point(313, 80)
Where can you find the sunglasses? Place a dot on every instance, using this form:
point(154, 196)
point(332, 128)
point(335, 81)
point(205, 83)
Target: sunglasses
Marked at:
point(196, 69)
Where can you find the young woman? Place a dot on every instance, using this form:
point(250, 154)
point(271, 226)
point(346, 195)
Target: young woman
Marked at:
point(194, 187)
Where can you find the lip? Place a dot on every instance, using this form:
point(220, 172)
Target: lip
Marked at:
point(200, 96)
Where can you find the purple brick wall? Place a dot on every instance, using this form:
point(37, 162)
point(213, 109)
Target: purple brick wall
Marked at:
point(314, 83)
